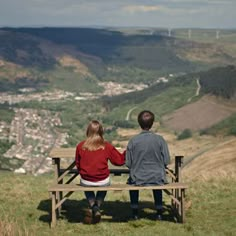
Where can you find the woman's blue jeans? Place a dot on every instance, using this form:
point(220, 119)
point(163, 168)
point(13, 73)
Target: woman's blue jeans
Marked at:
point(98, 197)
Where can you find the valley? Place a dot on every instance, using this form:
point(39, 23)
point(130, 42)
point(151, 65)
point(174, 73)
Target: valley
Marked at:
point(52, 81)
point(35, 132)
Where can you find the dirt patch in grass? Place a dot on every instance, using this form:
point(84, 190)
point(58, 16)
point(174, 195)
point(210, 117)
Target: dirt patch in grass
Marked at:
point(202, 114)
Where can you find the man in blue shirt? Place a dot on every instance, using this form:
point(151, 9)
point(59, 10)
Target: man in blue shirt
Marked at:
point(147, 156)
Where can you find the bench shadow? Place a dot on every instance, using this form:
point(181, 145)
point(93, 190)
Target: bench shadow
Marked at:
point(45, 206)
point(112, 211)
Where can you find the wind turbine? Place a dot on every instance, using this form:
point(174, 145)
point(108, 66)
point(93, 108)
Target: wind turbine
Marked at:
point(189, 33)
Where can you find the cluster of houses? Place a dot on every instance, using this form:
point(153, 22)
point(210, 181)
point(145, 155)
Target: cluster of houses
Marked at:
point(34, 134)
point(27, 97)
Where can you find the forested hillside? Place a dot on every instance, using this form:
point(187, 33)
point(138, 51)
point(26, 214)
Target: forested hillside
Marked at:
point(152, 91)
point(113, 47)
point(220, 81)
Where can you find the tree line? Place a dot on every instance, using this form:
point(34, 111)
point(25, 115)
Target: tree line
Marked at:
point(219, 81)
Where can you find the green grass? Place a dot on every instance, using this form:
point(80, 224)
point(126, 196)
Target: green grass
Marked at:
point(175, 97)
point(8, 163)
point(25, 207)
point(6, 114)
point(67, 80)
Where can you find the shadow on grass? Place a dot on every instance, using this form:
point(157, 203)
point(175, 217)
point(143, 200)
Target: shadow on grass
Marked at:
point(112, 211)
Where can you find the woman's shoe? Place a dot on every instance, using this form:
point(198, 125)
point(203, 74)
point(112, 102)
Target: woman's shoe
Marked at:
point(96, 214)
point(88, 218)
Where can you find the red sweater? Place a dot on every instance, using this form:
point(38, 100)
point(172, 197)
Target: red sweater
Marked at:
point(93, 165)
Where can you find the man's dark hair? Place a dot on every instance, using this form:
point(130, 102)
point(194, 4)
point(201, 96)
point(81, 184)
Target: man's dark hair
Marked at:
point(146, 119)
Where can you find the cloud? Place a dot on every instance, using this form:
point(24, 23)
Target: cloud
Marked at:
point(174, 13)
point(141, 8)
point(199, 2)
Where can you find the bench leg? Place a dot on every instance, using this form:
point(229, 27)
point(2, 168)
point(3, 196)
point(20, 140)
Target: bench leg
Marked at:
point(182, 215)
point(54, 215)
point(172, 201)
point(180, 211)
point(176, 205)
point(59, 197)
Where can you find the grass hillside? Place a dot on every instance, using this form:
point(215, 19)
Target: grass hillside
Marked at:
point(214, 162)
point(25, 208)
point(205, 156)
point(175, 93)
point(202, 101)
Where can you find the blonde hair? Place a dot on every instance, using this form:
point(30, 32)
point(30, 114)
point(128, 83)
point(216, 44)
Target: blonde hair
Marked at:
point(94, 134)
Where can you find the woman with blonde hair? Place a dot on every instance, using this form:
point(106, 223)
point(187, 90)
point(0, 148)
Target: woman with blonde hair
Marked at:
point(92, 157)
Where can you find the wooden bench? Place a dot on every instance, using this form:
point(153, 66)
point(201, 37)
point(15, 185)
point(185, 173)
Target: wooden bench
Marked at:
point(62, 189)
point(175, 190)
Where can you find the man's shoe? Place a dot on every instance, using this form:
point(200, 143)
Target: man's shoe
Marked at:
point(135, 217)
point(159, 215)
point(96, 214)
point(88, 218)
point(135, 214)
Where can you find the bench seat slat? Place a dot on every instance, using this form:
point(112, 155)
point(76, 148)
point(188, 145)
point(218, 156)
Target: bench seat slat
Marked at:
point(112, 171)
point(113, 187)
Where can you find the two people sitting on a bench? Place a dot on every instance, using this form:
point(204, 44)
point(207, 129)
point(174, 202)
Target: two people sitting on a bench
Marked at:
point(146, 156)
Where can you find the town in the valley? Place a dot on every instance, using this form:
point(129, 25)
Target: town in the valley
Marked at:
point(34, 132)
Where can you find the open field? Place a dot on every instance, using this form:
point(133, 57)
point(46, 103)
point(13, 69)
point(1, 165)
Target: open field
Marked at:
point(199, 115)
point(25, 207)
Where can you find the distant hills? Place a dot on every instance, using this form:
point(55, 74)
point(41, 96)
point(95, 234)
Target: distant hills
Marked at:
point(88, 55)
point(112, 47)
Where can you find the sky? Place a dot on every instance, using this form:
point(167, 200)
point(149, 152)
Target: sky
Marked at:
point(218, 14)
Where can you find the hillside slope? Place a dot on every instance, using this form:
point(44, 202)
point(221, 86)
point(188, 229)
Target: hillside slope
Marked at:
point(205, 157)
point(219, 161)
point(29, 61)
point(201, 114)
